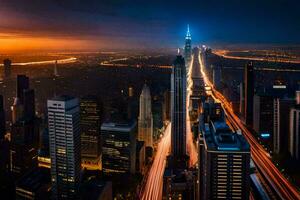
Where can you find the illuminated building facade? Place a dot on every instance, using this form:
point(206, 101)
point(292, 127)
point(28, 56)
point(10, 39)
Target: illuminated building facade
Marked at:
point(145, 121)
point(64, 141)
point(119, 147)
point(225, 164)
point(90, 125)
point(178, 108)
point(188, 48)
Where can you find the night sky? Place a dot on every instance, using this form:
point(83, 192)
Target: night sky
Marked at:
point(93, 24)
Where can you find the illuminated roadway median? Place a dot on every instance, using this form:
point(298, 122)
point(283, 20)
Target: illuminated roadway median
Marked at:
point(262, 160)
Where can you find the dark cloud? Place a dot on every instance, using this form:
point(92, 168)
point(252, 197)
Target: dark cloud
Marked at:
point(155, 22)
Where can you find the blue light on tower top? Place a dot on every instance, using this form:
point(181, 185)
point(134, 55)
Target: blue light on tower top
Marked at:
point(188, 34)
point(188, 48)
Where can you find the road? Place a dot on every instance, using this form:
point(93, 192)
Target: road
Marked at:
point(154, 184)
point(191, 147)
point(262, 160)
point(224, 54)
point(59, 61)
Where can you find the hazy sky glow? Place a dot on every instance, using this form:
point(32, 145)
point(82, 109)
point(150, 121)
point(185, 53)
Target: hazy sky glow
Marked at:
point(94, 24)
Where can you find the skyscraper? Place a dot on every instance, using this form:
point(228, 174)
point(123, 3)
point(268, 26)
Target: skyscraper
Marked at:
point(249, 93)
point(22, 84)
point(263, 107)
point(55, 72)
point(145, 122)
point(242, 99)
point(24, 129)
point(23, 147)
point(224, 165)
point(294, 136)
point(2, 118)
point(90, 125)
point(166, 106)
point(7, 67)
point(64, 136)
point(119, 147)
point(281, 128)
point(188, 48)
point(217, 77)
point(28, 104)
point(178, 108)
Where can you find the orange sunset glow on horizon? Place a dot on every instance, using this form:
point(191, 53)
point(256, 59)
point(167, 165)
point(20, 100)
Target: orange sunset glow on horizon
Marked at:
point(11, 43)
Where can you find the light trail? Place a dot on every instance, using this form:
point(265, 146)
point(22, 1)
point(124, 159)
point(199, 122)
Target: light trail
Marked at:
point(283, 188)
point(59, 61)
point(191, 147)
point(223, 53)
point(154, 184)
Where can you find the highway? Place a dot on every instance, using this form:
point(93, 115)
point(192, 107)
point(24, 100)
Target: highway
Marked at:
point(191, 147)
point(59, 61)
point(283, 188)
point(224, 54)
point(154, 184)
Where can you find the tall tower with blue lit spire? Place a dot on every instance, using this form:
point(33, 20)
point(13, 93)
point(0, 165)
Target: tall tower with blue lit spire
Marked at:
point(188, 48)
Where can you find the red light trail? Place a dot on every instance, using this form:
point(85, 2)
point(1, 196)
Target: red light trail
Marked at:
point(154, 184)
point(260, 157)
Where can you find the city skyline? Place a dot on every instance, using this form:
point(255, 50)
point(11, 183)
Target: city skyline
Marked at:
point(96, 104)
point(94, 25)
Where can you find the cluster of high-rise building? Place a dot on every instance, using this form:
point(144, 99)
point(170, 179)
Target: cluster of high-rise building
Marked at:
point(224, 157)
point(223, 170)
point(51, 156)
point(272, 113)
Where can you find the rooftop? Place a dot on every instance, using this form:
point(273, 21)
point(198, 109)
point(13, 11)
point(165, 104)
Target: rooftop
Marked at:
point(115, 126)
point(219, 137)
point(93, 189)
point(63, 98)
point(34, 180)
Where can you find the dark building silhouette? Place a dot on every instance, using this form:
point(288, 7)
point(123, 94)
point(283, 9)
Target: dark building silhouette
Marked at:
point(119, 147)
point(24, 146)
point(263, 107)
point(24, 129)
point(22, 84)
point(7, 68)
point(249, 93)
point(178, 103)
point(281, 113)
point(90, 125)
point(166, 106)
point(34, 185)
point(28, 104)
point(2, 118)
